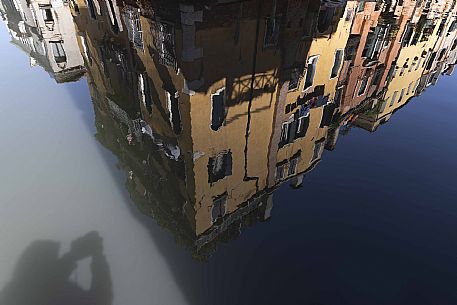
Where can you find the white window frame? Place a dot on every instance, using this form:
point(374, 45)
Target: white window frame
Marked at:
point(308, 62)
point(334, 61)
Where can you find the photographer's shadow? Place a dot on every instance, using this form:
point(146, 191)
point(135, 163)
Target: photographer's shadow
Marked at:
point(41, 277)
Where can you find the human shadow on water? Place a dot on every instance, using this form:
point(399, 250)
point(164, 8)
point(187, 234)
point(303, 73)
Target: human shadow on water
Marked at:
point(41, 277)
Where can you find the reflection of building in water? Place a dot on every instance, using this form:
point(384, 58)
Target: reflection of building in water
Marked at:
point(212, 106)
point(372, 49)
point(194, 95)
point(45, 30)
point(308, 102)
point(417, 65)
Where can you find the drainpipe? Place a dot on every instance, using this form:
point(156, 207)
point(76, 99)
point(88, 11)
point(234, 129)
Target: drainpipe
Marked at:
point(251, 97)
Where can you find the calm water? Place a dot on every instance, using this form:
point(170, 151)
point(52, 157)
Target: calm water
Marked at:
point(223, 152)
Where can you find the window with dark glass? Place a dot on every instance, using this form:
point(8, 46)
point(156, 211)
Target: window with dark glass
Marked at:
point(363, 86)
point(402, 93)
point(394, 97)
point(318, 145)
point(133, 26)
point(391, 72)
point(284, 132)
point(303, 121)
point(292, 166)
point(324, 20)
point(338, 95)
point(361, 6)
point(430, 61)
point(91, 6)
point(272, 25)
point(377, 76)
point(47, 13)
point(327, 115)
point(220, 167)
point(337, 63)
point(217, 109)
point(279, 172)
point(174, 112)
point(454, 44)
point(58, 51)
point(219, 207)
point(164, 42)
point(310, 71)
point(295, 77)
point(413, 64)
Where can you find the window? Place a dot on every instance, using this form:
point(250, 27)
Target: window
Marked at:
point(91, 7)
point(426, 57)
point(363, 86)
point(308, 24)
point(394, 97)
point(395, 72)
point(418, 64)
point(217, 109)
point(377, 76)
point(144, 91)
point(338, 95)
point(391, 73)
point(409, 88)
point(416, 85)
point(383, 105)
point(401, 94)
point(349, 15)
point(141, 82)
point(295, 77)
point(219, 207)
point(405, 65)
point(219, 166)
point(325, 18)
point(174, 113)
point(310, 71)
point(361, 6)
point(279, 172)
point(413, 64)
point(430, 61)
point(133, 25)
point(441, 54)
point(407, 34)
point(327, 115)
point(75, 6)
point(112, 16)
point(271, 31)
point(337, 63)
point(303, 120)
point(164, 42)
point(454, 44)
point(292, 166)
point(317, 149)
point(47, 13)
point(58, 51)
point(285, 132)
point(453, 26)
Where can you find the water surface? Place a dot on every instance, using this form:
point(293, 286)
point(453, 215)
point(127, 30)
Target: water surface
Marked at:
point(228, 153)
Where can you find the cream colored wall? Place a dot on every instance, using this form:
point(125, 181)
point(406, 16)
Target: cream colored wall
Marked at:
point(229, 137)
point(235, 65)
point(325, 48)
point(306, 143)
point(400, 82)
point(64, 29)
